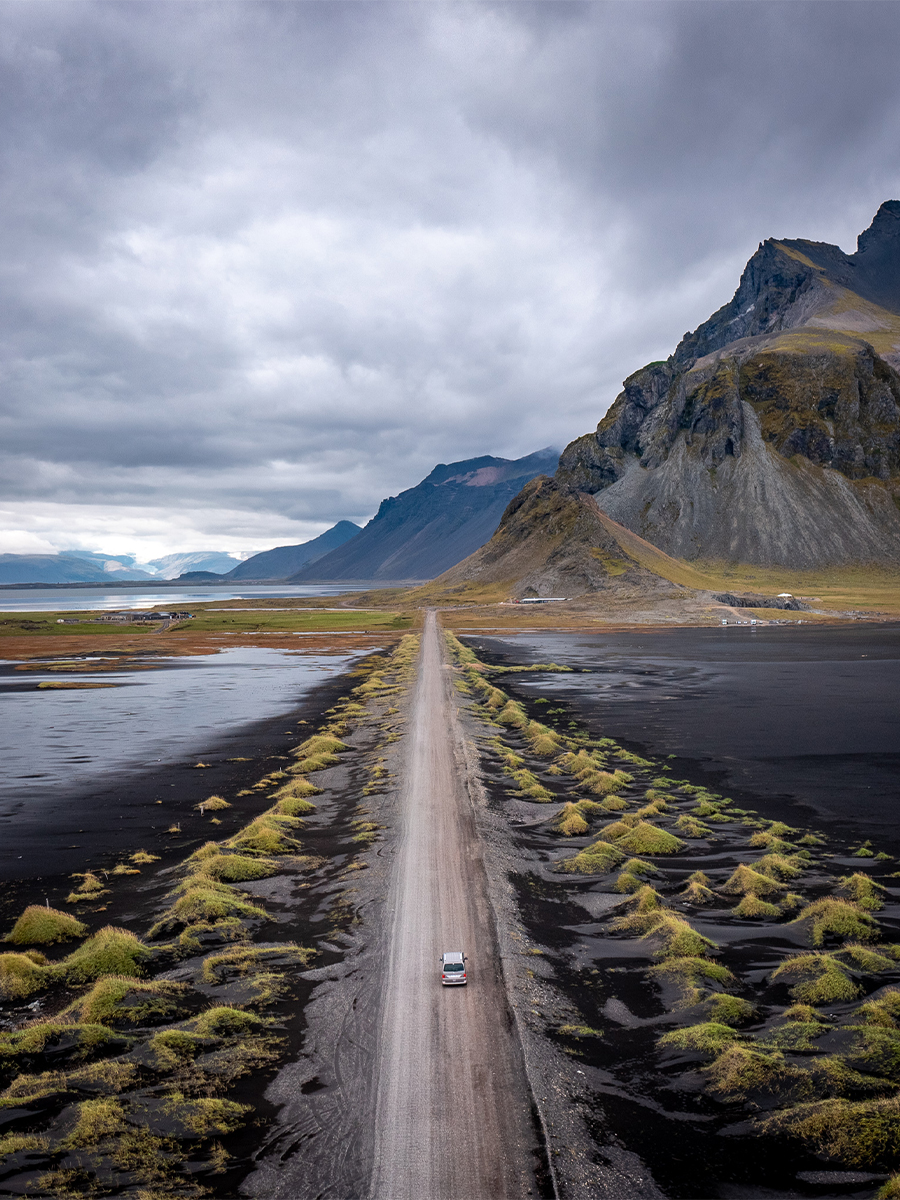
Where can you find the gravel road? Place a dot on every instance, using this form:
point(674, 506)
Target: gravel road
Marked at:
point(453, 1112)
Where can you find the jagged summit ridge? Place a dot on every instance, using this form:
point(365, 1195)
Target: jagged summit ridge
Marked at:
point(772, 433)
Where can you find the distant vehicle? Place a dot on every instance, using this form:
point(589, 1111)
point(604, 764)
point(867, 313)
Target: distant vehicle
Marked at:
point(453, 967)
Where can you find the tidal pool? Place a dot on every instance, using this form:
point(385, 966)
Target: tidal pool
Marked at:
point(785, 715)
point(80, 764)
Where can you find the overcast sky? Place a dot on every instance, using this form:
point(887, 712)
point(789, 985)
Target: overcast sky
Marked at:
point(264, 264)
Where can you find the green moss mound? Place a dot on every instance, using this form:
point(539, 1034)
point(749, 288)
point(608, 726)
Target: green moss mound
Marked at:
point(818, 979)
point(225, 1022)
point(237, 868)
point(708, 1039)
point(830, 917)
point(202, 902)
point(752, 908)
point(596, 859)
point(729, 1010)
point(570, 822)
point(22, 975)
point(741, 1072)
point(745, 881)
point(41, 926)
point(697, 890)
point(110, 951)
point(864, 891)
point(645, 838)
point(121, 1000)
point(861, 1133)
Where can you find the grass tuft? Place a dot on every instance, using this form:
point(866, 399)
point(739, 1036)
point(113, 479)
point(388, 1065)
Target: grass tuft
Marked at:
point(110, 951)
point(40, 926)
point(836, 918)
point(709, 1038)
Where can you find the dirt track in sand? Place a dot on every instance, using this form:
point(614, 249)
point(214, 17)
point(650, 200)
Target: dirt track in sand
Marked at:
point(453, 1111)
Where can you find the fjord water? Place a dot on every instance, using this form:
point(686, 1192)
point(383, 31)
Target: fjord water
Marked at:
point(81, 599)
point(784, 716)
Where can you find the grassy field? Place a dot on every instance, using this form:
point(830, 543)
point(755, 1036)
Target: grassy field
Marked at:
point(234, 621)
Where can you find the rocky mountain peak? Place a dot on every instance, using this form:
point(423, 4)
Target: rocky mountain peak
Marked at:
point(883, 235)
point(745, 442)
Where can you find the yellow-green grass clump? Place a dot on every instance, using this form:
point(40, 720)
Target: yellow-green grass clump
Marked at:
point(530, 786)
point(864, 890)
point(41, 926)
point(570, 821)
point(213, 804)
point(267, 835)
point(745, 881)
point(780, 867)
point(742, 1071)
point(23, 974)
point(708, 1038)
point(143, 858)
point(90, 888)
point(889, 1190)
point(690, 827)
point(771, 839)
point(861, 1133)
point(236, 868)
point(646, 906)
point(110, 951)
point(206, 1117)
point(597, 859)
point(607, 783)
point(613, 804)
point(802, 1025)
point(544, 742)
point(36, 1038)
point(223, 1021)
point(820, 979)
point(836, 918)
point(677, 937)
point(883, 1009)
point(512, 714)
point(204, 901)
point(753, 908)
point(117, 999)
point(697, 889)
point(691, 975)
point(729, 1010)
point(709, 810)
point(644, 838)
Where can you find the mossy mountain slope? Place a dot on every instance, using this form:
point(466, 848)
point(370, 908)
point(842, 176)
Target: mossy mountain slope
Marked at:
point(552, 542)
point(772, 434)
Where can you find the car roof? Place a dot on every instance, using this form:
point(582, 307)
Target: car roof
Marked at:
point(452, 956)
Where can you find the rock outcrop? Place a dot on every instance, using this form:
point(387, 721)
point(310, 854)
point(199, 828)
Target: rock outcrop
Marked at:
point(772, 434)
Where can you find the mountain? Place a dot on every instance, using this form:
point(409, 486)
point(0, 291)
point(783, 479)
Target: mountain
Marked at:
point(555, 542)
point(119, 566)
point(285, 560)
point(429, 527)
point(216, 562)
point(60, 568)
point(772, 435)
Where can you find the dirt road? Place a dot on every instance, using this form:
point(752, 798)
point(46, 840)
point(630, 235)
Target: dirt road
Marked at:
point(453, 1114)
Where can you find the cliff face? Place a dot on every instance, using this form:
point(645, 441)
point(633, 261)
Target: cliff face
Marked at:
point(772, 434)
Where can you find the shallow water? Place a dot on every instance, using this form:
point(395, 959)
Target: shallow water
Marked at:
point(63, 740)
point(103, 598)
point(807, 716)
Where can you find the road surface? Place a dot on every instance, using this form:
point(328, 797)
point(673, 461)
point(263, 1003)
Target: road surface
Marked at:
point(452, 1112)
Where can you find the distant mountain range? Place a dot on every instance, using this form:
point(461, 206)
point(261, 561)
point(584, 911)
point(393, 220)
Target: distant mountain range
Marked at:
point(285, 560)
point(174, 565)
point(429, 527)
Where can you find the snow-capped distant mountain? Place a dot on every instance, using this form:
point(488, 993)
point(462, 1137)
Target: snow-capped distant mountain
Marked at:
point(173, 565)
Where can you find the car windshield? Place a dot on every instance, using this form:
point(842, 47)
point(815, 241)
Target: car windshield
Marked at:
point(453, 966)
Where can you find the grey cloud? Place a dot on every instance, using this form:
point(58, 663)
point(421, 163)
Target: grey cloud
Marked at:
point(284, 257)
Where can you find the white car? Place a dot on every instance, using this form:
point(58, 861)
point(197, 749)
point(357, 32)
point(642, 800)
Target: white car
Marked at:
point(453, 967)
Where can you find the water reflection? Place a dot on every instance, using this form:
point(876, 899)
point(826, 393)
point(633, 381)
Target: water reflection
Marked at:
point(52, 739)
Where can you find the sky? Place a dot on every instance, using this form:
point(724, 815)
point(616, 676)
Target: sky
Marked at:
point(264, 264)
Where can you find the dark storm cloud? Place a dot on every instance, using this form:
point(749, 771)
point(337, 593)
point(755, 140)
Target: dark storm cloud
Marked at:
point(263, 264)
